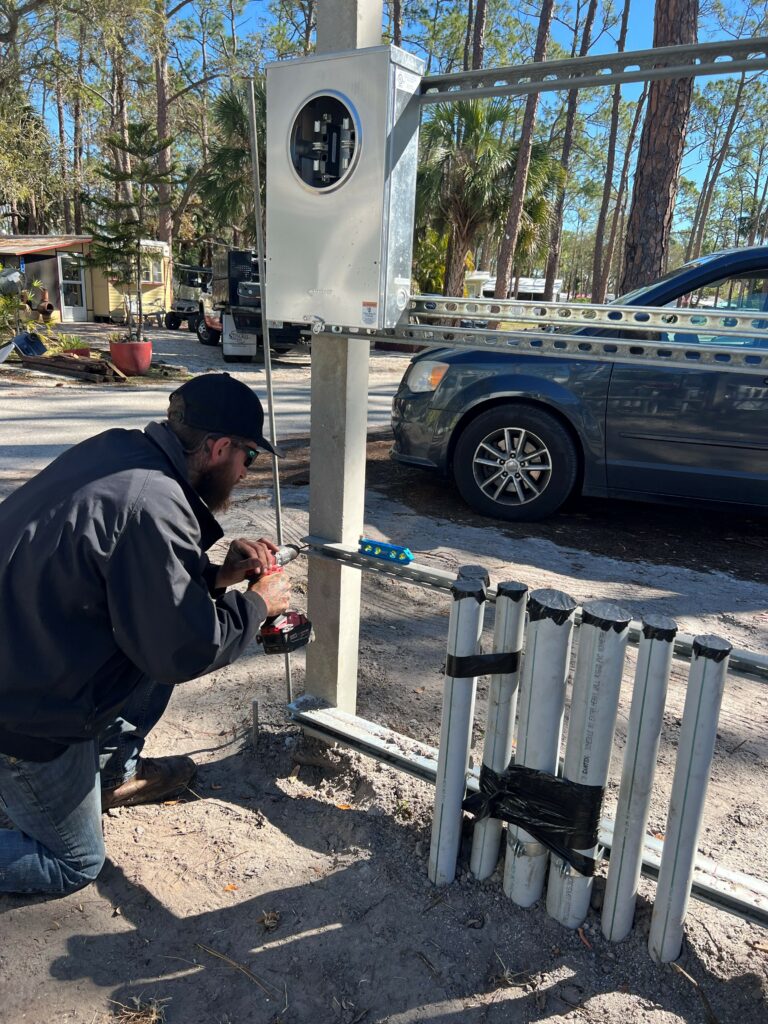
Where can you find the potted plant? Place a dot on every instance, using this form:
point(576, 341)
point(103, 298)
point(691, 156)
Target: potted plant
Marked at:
point(122, 221)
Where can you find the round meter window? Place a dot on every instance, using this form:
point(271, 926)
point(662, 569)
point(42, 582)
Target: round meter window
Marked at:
point(324, 141)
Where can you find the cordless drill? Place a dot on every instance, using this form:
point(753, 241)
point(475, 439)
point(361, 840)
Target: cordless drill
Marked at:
point(281, 634)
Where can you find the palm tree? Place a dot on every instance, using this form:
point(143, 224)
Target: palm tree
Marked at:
point(465, 181)
point(460, 190)
point(226, 186)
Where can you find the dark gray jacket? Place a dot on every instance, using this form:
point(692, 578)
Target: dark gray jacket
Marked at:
point(104, 581)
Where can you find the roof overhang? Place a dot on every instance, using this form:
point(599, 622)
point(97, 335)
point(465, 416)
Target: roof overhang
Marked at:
point(28, 245)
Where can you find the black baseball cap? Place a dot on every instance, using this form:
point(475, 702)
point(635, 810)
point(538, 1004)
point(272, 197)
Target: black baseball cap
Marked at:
point(224, 405)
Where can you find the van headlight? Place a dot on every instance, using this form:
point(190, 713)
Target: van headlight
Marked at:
point(425, 375)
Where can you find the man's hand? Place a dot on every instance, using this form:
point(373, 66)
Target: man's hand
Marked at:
point(246, 560)
point(275, 591)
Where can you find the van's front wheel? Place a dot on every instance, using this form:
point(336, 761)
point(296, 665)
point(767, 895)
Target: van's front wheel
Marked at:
point(515, 462)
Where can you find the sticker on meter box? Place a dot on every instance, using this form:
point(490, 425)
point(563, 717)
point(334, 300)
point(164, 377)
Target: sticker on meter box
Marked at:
point(369, 313)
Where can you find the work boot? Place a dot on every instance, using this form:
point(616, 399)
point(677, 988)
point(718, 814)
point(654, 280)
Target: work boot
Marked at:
point(156, 779)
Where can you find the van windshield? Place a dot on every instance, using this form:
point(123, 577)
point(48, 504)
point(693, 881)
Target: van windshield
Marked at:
point(631, 297)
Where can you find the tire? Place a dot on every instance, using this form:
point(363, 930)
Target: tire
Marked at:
point(504, 487)
point(192, 322)
point(206, 335)
point(172, 321)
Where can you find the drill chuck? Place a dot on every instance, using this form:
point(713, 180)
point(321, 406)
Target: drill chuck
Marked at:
point(286, 553)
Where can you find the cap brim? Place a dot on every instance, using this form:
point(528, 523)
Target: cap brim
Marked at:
point(262, 442)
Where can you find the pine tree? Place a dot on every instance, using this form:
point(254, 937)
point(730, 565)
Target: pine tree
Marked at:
point(127, 213)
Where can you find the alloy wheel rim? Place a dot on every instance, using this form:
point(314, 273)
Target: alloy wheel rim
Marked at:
point(512, 466)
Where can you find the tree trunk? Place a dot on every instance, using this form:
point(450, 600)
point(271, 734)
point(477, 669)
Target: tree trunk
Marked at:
point(63, 169)
point(478, 34)
point(709, 191)
point(468, 36)
point(310, 21)
point(661, 153)
point(599, 271)
point(619, 212)
point(758, 205)
point(520, 181)
point(162, 86)
point(77, 140)
point(397, 22)
point(553, 259)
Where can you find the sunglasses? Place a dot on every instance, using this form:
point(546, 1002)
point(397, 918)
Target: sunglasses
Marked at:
point(251, 454)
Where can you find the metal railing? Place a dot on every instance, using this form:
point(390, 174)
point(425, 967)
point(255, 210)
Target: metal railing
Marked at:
point(718, 58)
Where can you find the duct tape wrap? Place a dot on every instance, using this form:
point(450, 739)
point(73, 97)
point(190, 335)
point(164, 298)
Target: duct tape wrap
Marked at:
point(482, 664)
point(550, 604)
point(561, 815)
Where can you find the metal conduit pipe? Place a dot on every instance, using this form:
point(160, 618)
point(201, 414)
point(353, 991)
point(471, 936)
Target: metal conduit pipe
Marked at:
point(646, 716)
point(540, 725)
point(594, 707)
point(695, 750)
point(502, 706)
point(465, 627)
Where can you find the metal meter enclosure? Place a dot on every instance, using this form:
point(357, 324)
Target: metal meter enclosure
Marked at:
point(342, 150)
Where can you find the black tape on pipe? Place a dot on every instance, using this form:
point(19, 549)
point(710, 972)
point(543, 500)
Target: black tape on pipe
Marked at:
point(474, 572)
point(659, 627)
point(514, 591)
point(482, 664)
point(712, 647)
point(550, 604)
point(561, 815)
point(473, 589)
point(605, 615)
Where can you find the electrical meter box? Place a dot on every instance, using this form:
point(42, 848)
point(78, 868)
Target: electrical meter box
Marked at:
point(342, 150)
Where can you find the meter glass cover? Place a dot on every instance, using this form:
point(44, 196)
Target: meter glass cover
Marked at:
point(324, 141)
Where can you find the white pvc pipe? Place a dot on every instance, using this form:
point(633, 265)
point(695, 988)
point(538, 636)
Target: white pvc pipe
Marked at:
point(502, 705)
point(696, 747)
point(594, 705)
point(464, 629)
point(643, 731)
point(540, 724)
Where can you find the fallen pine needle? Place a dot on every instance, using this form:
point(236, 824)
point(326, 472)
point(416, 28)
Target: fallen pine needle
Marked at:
point(711, 1018)
point(240, 967)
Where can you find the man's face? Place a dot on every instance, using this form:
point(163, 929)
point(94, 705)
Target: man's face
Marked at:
point(226, 468)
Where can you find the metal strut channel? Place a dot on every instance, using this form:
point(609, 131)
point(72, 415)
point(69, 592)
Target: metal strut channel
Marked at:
point(438, 579)
point(723, 323)
point(579, 346)
point(718, 58)
point(731, 891)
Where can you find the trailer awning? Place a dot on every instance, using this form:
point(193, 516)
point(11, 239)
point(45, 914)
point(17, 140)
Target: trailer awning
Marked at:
point(26, 245)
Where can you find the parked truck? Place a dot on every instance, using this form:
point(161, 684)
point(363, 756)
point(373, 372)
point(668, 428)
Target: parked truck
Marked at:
point(189, 284)
point(229, 312)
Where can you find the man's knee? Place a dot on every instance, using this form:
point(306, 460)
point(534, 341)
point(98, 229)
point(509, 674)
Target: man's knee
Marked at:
point(77, 874)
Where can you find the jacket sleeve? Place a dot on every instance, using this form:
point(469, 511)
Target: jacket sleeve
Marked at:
point(163, 615)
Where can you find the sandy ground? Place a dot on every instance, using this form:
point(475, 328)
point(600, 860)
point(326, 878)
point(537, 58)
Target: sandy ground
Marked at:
point(290, 884)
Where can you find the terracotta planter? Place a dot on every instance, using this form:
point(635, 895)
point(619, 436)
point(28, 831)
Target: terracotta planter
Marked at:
point(132, 357)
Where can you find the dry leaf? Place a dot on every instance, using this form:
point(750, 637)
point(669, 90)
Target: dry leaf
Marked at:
point(584, 938)
point(344, 807)
point(230, 888)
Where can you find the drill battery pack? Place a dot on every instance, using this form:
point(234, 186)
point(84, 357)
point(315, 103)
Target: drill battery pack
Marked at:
point(285, 633)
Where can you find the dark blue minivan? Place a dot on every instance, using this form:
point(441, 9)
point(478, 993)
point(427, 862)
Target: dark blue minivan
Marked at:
point(519, 433)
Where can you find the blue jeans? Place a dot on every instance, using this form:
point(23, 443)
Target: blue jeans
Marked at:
point(57, 845)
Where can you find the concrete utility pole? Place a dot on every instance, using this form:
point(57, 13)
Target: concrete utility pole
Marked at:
point(339, 411)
